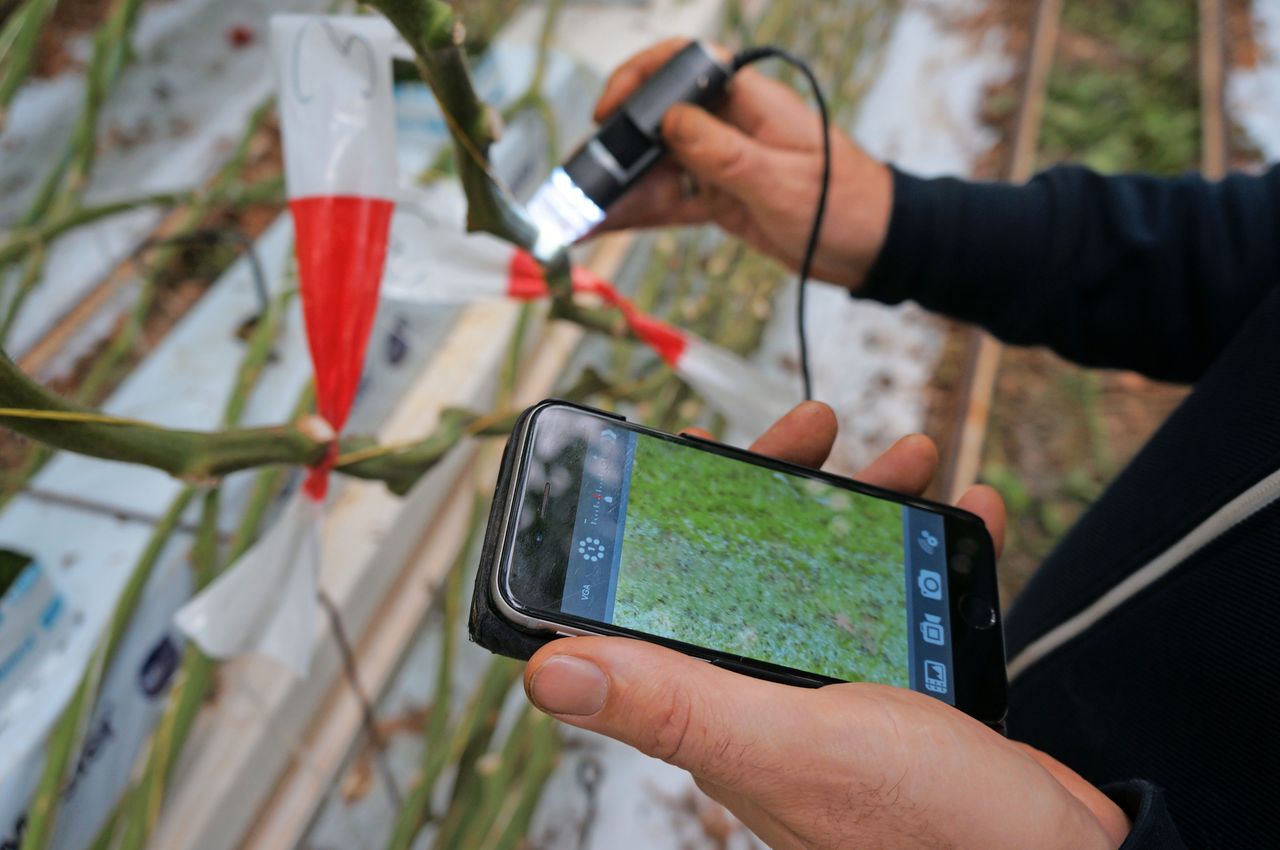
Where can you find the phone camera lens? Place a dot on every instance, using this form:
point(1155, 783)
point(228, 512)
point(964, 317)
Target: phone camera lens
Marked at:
point(977, 612)
point(537, 537)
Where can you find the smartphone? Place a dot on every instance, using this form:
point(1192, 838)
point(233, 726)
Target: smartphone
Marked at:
point(754, 564)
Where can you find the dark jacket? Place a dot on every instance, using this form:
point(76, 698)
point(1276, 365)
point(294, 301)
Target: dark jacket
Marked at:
point(1145, 652)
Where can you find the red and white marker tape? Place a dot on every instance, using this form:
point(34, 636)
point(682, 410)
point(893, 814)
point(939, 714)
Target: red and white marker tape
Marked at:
point(480, 267)
point(337, 117)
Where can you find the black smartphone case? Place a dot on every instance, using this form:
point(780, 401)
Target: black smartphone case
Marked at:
point(486, 625)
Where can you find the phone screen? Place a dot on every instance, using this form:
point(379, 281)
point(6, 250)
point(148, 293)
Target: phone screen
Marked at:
point(677, 541)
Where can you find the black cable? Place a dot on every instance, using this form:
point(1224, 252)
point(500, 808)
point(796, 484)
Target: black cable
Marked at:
point(748, 57)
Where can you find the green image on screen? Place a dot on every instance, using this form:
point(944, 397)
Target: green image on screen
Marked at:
point(775, 567)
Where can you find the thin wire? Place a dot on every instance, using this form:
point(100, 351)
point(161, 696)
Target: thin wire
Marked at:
point(748, 57)
point(213, 236)
point(377, 743)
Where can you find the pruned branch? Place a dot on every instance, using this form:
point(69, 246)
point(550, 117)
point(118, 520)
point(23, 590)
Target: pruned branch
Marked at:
point(30, 409)
point(435, 35)
point(430, 28)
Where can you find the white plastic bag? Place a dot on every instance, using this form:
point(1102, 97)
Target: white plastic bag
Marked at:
point(266, 602)
point(337, 116)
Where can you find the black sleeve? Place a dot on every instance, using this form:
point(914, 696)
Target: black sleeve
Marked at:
point(1137, 272)
point(1144, 803)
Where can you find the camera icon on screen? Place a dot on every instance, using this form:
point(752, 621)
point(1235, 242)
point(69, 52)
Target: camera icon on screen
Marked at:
point(931, 630)
point(930, 584)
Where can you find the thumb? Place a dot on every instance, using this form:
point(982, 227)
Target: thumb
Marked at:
point(717, 153)
point(667, 705)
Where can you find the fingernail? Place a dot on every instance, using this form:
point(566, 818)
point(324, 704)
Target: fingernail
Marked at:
point(566, 684)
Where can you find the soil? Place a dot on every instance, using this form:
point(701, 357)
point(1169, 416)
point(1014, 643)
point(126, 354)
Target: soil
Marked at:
point(71, 19)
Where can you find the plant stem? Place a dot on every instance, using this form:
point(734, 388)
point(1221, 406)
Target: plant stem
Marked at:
point(80, 709)
point(64, 186)
point(31, 272)
point(18, 41)
point(430, 28)
point(483, 706)
point(190, 685)
point(185, 454)
point(20, 241)
point(517, 812)
point(64, 740)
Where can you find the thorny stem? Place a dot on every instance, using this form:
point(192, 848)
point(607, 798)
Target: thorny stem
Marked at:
point(267, 486)
point(480, 712)
point(431, 29)
point(32, 269)
point(106, 367)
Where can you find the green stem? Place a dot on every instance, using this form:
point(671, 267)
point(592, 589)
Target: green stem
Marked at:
point(184, 454)
point(18, 41)
point(64, 740)
point(430, 28)
point(19, 242)
point(517, 813)
point(438, 721)
point(204, 455)
point(479, 792)
point(267, 486)
point(44, 806)
point(66, 183)
point(22, 240)
point(78, 712)
point(31, 272)
point(514, 356)
point(484, 704)
point(142, 805)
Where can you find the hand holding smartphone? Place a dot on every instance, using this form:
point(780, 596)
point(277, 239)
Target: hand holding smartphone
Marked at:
point(754, 564)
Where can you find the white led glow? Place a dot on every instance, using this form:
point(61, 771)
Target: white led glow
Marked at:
point(562, 213)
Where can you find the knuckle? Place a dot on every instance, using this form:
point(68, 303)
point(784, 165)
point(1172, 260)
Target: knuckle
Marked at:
point(670, 732)
point(729, 158)
point(686, 732)
point(620, 83)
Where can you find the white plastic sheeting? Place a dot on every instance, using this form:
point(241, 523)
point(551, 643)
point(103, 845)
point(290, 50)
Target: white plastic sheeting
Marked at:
point(872, 363)
point(171, 121)
point(91, 554)
point(89, 519)
point(1253, 94)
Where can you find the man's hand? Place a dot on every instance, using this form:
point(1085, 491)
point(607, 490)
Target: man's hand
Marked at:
point(845, 766)
point(757, 170)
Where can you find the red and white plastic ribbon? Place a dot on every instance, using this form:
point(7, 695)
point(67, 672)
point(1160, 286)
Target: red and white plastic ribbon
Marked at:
point(337, 117)
point(481, 267)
